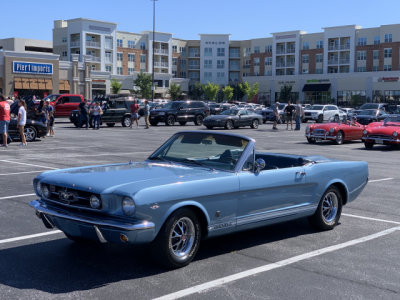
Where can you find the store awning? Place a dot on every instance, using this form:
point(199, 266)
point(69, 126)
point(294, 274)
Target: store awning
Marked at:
point(25, 83)
point(64, 85)
point(33, 84)
point(322, 87)
point(49, 84)
point(41, 84)
point(17, 83)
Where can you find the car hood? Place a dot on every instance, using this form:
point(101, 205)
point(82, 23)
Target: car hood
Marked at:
point(325, 126)
point(128, 177)
point(383, 129)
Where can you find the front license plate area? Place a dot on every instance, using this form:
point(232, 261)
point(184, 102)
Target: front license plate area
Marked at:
point(379, 141)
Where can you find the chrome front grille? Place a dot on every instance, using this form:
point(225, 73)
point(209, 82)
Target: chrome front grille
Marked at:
point(319, 131)
point(70, 197)
point(381, 136)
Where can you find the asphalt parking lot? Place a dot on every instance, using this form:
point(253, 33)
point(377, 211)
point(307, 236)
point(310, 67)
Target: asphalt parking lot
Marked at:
point(359, 259)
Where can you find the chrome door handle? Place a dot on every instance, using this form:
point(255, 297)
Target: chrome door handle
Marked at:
point(301, 173)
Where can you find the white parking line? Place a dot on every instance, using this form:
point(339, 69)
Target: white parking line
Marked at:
point(26, 164)
point(377, 180)
point(26, 237)
point(371, 219)
point(224, 280)
point(16, 196)
point(6, 174)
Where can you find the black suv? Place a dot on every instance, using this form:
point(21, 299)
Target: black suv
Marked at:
point(180, 111)
point(114, 111)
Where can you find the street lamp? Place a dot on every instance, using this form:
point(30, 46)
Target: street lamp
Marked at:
point(152, 68)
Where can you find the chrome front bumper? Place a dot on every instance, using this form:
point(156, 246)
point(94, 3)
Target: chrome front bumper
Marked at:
point(321, 136)
point(377, 140)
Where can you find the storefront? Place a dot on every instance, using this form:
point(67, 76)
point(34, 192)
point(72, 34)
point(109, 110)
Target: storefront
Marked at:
point(386, 89)
point(317, 91)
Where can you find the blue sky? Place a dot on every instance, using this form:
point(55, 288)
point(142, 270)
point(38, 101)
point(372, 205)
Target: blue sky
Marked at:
point(185, 19)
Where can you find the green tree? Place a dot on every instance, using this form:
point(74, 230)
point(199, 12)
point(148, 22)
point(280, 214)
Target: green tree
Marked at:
point(286, 93)
point(237, 92)
point(253, 91)
point(115, 86)
point(174, 91)
point(143, 84)
point(244, 88)
point(211, 90)
point(228, 92)
point(196, 91)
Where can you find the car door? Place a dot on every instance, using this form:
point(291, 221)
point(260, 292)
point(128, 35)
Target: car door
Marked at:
point(182, 112)
point(271, 194)
point(61, 106)
point(108, 112)
point(242, 120)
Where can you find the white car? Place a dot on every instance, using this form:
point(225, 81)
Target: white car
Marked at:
point(321, 113)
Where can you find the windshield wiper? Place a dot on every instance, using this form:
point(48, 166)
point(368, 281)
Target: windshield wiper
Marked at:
point(195, 162)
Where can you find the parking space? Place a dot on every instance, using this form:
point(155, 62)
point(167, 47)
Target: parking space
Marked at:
point(358, 259)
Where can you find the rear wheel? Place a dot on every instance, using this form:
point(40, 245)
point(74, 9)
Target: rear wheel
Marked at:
point(329, 210)
point(229, 124)
point(254, 124)
point(368, 145)
point(30, 133)
point(170, 120)
point(339, 138)
point(199, 120)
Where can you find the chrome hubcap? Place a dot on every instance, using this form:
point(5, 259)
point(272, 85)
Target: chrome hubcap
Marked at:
point(127, 122)
point(330, 207)
point(181, 238)
point(29, 134)
point(255, 123)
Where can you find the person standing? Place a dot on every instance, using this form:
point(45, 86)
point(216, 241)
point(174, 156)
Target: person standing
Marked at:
point(4, 119)
point(83, 114)
point(50, 119)
point(275, 110)
point(21, 121)
point(289, 109)
point(147, 113)
point(134, 113)
point(298, 114)
point(96, 115)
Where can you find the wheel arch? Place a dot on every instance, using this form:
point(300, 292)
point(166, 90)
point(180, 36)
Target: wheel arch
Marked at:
point(341, 186)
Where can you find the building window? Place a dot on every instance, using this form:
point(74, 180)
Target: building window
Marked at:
point(207, 51)
point(220, 51)
point(108, 42)
point(361, 55)
point(388, 38)
point(64, 53)
point(143, 45)
point(183, 62)
point(182, 74)
point(220, 75)
point(234, 52)
point(387, 52)
point(131, 71)
point(377, 40)
point(208, 76)
point(306, 46)
point(119, 70)
point(142, 58)
point(268, 61)
point(320, 44)
point(318, 71)
point(207, 64)
point(304, 59)
point(174, 48)
point(268, 48)
point(220, 64)
point(131, 44)
point(182, 50)
point(362, 41)
point(108, 69)
point(174, 61)
point(256, 49)
point(268, 72)
point(375, 68)
point(376, 54)
point(64, 40)
point(387, 67)
point(304, 71)
point(131, 57)
point(256, 61)
point(361, 69)
point(319, 58)
point(119, 43)
point(108, 57)
point(119, 56)
point(142, 70)
point(174, 73)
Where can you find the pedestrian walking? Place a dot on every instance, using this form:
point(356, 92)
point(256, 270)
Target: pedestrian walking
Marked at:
point(134, 113)
point(83, 114)
point(289, 109)
point(21, 121)
point(97, 112)
point(50, 119)
point(275, 109)
point(147, 113)
point(298, 114)
point(4, 119)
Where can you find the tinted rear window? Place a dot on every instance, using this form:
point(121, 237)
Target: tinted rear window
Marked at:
point(75, 99)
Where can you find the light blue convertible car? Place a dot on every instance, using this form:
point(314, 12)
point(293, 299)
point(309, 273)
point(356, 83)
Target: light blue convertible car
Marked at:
point(198, 184)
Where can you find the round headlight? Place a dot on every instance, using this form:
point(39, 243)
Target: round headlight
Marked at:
point(331, 130)
point(45, 190)
point(95, 202)
point(128, 206)
point(39, 188)
point(395, 133)
point(365, 132)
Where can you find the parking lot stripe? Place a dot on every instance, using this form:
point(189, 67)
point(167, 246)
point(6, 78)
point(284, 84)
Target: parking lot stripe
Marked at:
point(16, 196)
point(218, 282)
point(371, 219)
point(26, 237)
point(21, 163)
point(5, 174)
point(377, 180)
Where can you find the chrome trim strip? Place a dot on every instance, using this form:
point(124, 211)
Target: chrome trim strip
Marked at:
point(278, 213)
point(321, 136)
point(39, 207)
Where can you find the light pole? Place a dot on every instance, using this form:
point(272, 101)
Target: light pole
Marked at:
point(152, 68)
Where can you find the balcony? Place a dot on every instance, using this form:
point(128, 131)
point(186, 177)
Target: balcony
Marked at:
point(333, 47)
point(76, 44)
point(291, 50)
point(290, 64)
point(280, 64)
point(234, 55)
point(95, 58)
point(108, 60)
point(194, 67)
point(345, 61)
point(194, 55)
point(280, 51)
point(91, 44)
point(234, 68)
point(161, 51)
point(345, 47)
point(161, 64)
point(333, 61)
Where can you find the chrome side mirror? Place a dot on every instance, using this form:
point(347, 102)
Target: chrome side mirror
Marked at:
point(259, 165)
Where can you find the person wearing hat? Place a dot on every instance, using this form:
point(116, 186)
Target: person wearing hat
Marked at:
point(276, 115)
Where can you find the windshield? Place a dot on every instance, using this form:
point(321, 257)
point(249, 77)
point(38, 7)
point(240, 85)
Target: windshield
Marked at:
point(230, 112)
point(51, 98)
point(392, 121)
point(172, 105)
point(315, 107)
point(369, 106)
point(215, 151)
point(369, 112)
point(281, 106)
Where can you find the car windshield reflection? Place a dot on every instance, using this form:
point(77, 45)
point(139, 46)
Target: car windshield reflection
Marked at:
point(230, 112)
point(208, 150)
point(392, 121)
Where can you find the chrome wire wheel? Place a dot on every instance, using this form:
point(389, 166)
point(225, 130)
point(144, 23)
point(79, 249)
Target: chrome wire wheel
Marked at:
point(182, 237)
point(30, 134)
point(339, 138)
point(330, 205)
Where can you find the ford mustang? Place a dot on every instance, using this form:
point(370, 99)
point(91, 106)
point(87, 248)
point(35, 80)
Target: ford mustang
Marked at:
point(198, 184)
point(386, 132)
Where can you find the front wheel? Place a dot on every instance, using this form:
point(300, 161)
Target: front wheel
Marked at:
point(199, 120)
point(255, 124)
point(178, 240)
point(30, 133)
point(170, 120)
point(368, 145)
point(229, 124)
point(311, 140)
point(329, 210)
point(126, 121)
point(339, 138)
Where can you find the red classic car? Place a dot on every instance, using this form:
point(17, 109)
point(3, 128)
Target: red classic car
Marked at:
point(387, 132)
point(337, 132)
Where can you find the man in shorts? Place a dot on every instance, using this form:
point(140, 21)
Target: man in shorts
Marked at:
point(4, 119)
point(289, 109)
point(135, 113)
